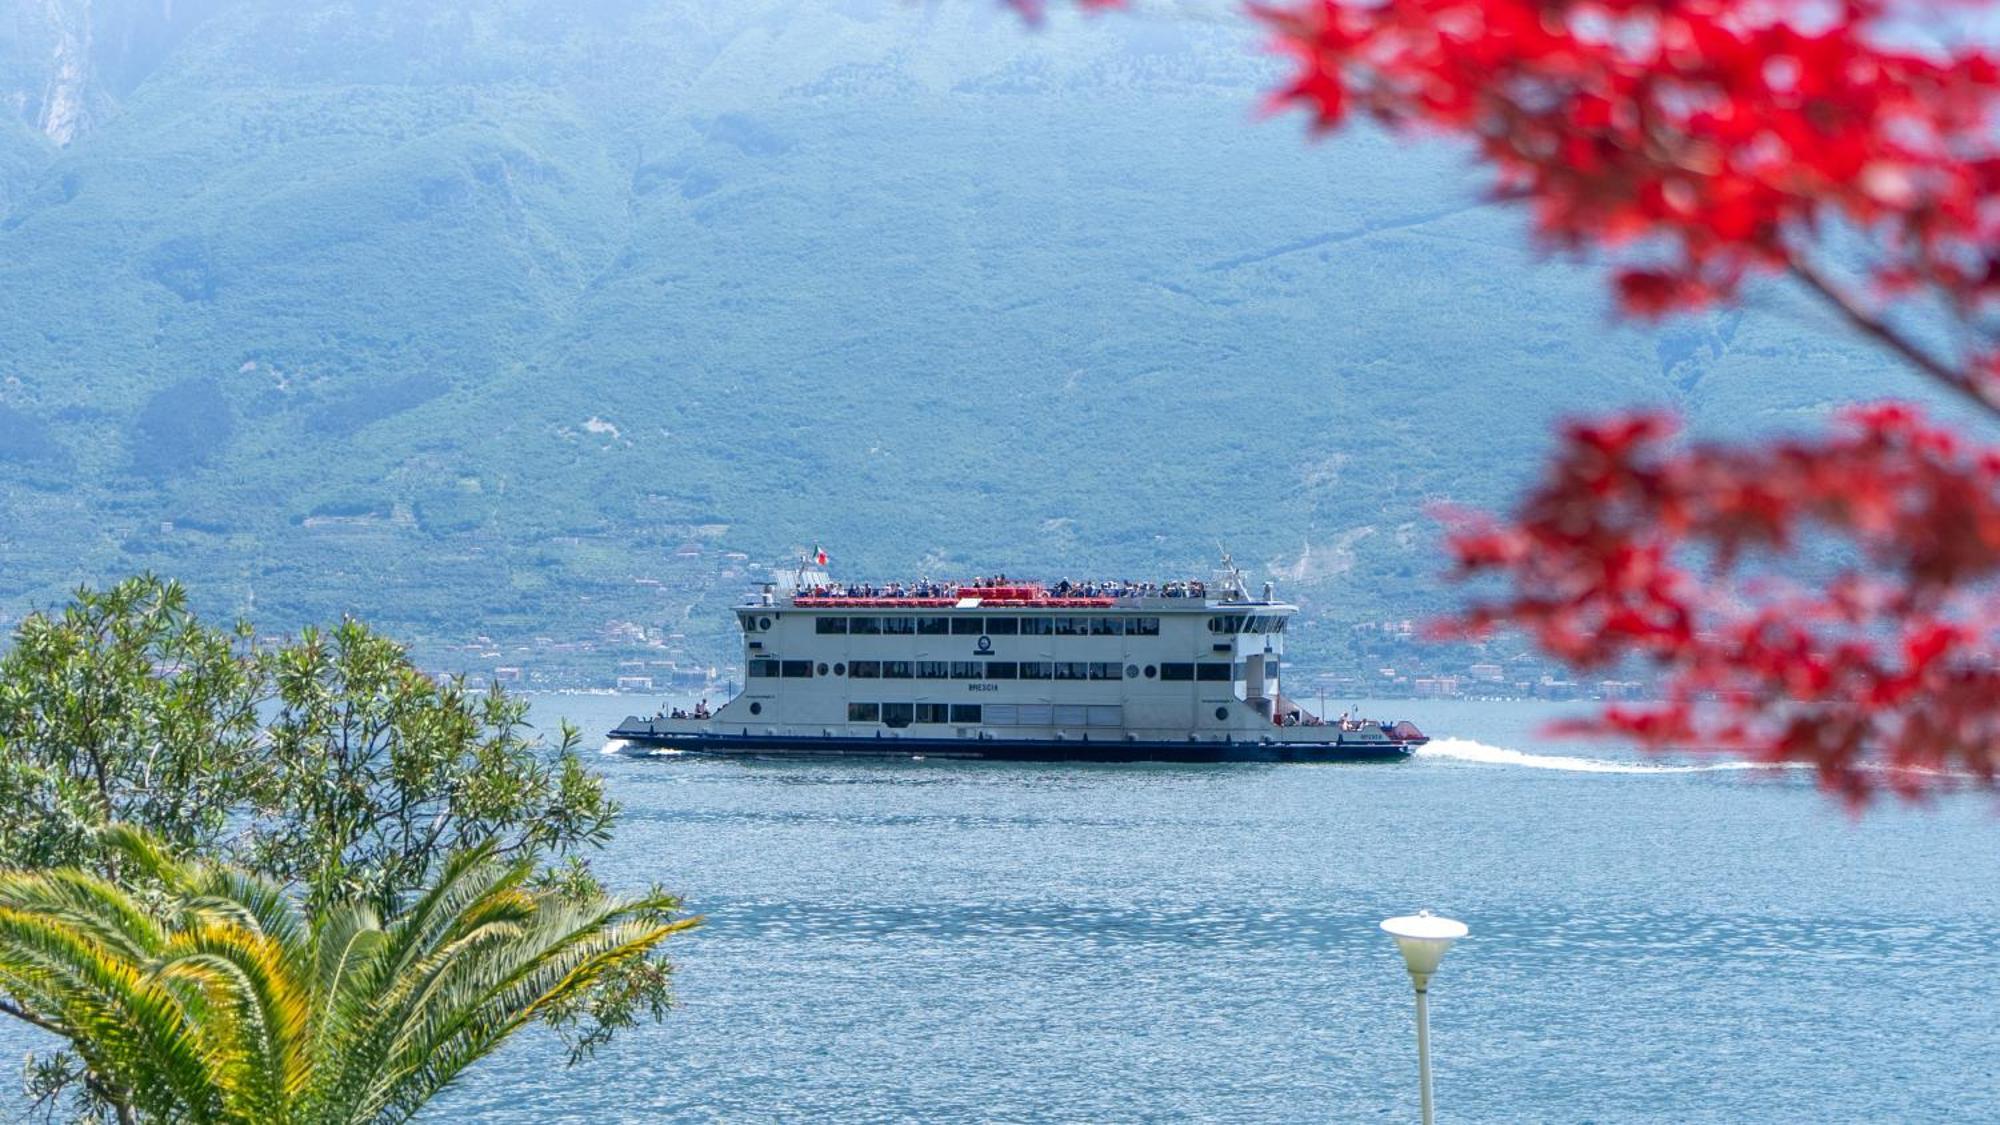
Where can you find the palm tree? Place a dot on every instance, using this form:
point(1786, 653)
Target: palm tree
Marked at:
point(218, 999)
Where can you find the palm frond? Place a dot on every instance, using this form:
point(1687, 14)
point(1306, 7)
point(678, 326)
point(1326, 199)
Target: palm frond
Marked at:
point(129, 1028)
point(94, 906)
point(231, 1004)
point(268, 1007)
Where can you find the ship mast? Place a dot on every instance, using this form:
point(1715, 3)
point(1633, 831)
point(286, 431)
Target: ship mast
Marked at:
point(1233, 589)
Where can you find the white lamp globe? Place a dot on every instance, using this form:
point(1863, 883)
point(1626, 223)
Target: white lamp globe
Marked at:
point(1424, 937)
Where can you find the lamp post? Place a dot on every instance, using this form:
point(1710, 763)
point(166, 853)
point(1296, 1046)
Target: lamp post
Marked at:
point(1423, 937)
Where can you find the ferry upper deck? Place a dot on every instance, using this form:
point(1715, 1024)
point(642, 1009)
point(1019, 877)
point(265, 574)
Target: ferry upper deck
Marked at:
point(995, 592)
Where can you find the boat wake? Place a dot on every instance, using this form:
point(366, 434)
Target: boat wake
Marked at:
point(1466, 750)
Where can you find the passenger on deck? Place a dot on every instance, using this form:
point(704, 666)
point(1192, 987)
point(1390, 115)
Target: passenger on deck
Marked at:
point(1063, 589)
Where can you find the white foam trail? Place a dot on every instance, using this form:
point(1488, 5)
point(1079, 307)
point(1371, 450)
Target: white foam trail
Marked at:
point(616, 746)
point(1466, 750)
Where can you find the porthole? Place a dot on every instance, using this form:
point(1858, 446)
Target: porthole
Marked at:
point(821, 670)
point(1221, 713)
point(763, 623)
point(756, 708)
point(840, 669)
point(1151, 671)
point(1131, 671)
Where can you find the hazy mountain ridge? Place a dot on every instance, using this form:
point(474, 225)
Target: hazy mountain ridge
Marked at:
point(465, 316)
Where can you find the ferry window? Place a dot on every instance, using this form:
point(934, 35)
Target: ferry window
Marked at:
point(1177, 671)
point(967, 626)
point(1072, 626)
point(933, 626)
point(1107, 626)
point(760, 669)
point(1221, 713)
point(899, 626)
point(1070, 715)
point(840, 669)
point(967, 669)
point(1278, 624)
point(1151, 671)
point(830, 625)
point(864, 712)
point(1002, 714)
point(965, 712)
point(866, 670)
point(932, 669)
point(1037, 714)
point(1104, 670)
point(1003, 626)
point(1002, 670)
point(898, 714)
point(756, 708)
point(870, 625)
point(896, 669)
point(763, 624)
point(1212, 672)
point(796, 669)
point(821, 670)
point(1072, 670)
point(1131, 671)
point(1142, 627)
point(933, 713)
point(1036, 670)
point(1036, 626)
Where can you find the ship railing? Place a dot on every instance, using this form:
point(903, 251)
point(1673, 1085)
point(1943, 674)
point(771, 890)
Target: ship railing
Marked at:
point(809, 602)
point(863, 603)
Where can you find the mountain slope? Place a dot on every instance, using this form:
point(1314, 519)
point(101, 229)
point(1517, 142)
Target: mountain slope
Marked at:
point(465, 317)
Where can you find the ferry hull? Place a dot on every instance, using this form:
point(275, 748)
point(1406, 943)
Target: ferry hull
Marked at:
point(644, 741)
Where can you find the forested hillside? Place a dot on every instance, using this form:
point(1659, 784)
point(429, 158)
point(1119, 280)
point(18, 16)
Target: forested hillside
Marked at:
point(470, 316)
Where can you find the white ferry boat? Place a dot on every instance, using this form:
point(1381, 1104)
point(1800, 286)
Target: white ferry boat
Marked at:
point(1014, 670)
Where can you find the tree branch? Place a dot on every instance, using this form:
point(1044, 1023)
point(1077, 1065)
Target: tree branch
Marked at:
point(13, 1008)
point(120, 1103)
point(1883, 333)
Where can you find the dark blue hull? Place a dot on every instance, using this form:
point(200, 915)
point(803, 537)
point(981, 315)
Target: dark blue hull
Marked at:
point(1014, 750)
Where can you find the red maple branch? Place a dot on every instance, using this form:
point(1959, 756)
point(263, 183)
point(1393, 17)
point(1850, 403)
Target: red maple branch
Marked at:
point(1716, 141)
point(1636, 549)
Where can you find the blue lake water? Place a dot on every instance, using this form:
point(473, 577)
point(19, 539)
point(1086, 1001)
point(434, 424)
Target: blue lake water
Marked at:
point(947, 941)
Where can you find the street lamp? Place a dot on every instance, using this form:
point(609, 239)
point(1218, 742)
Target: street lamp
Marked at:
point(1423, 937)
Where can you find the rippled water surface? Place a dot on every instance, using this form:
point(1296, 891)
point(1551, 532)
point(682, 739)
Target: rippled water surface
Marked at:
point(948, 941)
